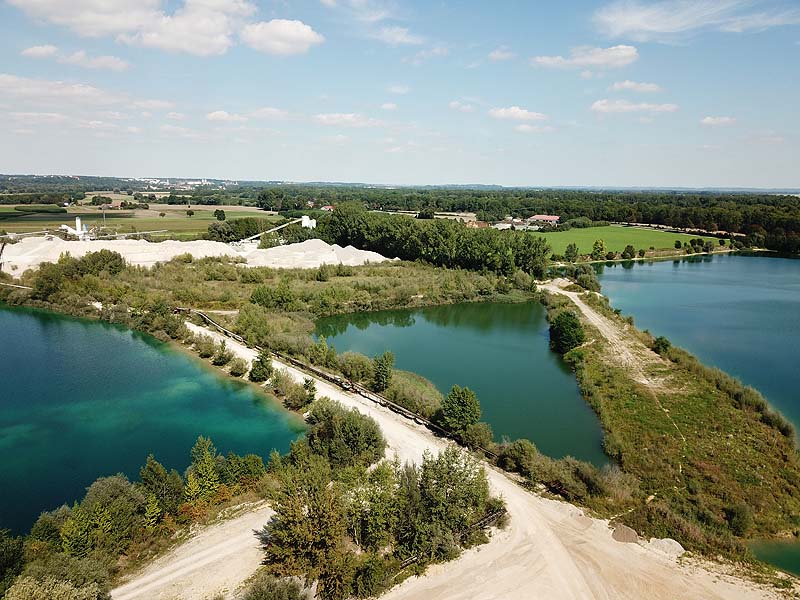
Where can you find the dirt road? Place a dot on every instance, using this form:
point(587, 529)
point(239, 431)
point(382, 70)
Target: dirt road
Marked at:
point(216, 560)
point(549, 549)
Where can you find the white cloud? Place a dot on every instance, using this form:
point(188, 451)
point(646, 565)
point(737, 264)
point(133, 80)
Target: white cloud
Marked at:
point(526, 128)
point(79, 58)
point(400, 90)
point(636, 86)
point(177, 131)
point(515, 113)
point(718, 121)
point(423, 55)
point(268, 112)
point(397, 36)
point(586, 56)
point(176, 116)
point(43, 91)
point(624, 106)
point(90, 17)
point(462, 106)
point(281, 36)
point(388, 106)
point(587, 74)
point(199, 27)
point(329, 3)
point(669, 18)
point(153, 104)
point(501, 53)
point(346, 120)
point(222, 115)
point(45, 51)
point(337, 140)
point(36, 118)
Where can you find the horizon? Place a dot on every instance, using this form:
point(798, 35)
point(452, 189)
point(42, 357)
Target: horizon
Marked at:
point(603, 94)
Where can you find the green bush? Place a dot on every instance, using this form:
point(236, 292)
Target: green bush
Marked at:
point(222, 356)
point(238, 367)
point(345, 437)
point(356, 366)
point(460, 409)
point(566, 332)
point(519, 456)
point(261, 370)
point(268, 587)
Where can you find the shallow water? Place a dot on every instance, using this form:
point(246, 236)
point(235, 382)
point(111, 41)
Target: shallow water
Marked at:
point(83, 399)
point(500, 351)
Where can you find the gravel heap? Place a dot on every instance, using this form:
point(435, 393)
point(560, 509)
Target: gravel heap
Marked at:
point(30, 252)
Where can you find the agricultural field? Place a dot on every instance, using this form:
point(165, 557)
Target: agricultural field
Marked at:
point(616, 238)
point(175, 220)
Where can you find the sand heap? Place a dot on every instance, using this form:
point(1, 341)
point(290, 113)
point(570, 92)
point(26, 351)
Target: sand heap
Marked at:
point(29, 252)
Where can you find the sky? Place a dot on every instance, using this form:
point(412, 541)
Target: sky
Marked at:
point(689, 93)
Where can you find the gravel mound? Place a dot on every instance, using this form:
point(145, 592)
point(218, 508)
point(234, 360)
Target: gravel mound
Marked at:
point(310, 254)
point(666, 546)
point(623, 533)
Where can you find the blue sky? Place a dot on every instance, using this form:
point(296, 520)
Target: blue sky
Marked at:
point(618, 93)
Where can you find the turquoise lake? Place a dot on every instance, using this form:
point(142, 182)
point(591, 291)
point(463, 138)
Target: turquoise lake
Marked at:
point(84, 399)
point(500, 351)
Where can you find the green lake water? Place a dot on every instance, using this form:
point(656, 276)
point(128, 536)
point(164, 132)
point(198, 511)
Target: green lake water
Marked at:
point(738, 313)
point(83, 399)
point(500, 351)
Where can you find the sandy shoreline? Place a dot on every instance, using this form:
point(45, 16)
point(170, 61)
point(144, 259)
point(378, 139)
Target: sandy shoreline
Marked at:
point(549, 549)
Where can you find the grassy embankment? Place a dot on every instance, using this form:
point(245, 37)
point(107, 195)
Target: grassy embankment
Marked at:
point(175, 219)
point(716, 464)
point(616, 238)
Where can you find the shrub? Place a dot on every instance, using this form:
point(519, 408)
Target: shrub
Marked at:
point(222, 356)
point(382, 367)
point(519, 457)
point(261, 370)
point(460, 409)
point(293, 394)
point(28, 588)
point(661, 345)
point(345, 437)
point(566, 332)
point(267, 587)
point(356, 366)
point(205, 346)
point(238, 367)
point(478, 435)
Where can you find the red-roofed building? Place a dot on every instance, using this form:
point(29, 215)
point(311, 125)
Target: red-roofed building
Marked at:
point(543, 220)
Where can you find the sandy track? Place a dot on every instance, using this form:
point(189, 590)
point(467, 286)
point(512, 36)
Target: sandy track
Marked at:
point(549, 549)
point(217, 559)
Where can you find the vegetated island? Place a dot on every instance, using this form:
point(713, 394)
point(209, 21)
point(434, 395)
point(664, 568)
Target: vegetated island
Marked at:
point(695, 449)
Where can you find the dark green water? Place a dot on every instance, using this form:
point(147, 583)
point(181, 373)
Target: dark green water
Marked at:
point(498, 350)
point(83, 399)
point(739, 313)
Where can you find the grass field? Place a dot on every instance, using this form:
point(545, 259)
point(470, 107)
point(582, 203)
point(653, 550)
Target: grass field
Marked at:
point(174, 220)
point(615, 238)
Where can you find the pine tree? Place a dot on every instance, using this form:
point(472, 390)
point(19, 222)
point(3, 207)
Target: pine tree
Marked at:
point(383, 365)
point(75, 539)
point(460, 409)
point(152, 513)
point(261, 370)
point(191, 492)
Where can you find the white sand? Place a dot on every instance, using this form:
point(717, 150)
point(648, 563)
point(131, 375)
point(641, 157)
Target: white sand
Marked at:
point(30, 252)
point(549, 549)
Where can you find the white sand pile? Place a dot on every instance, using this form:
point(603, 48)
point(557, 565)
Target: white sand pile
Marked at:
point(29, 252)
